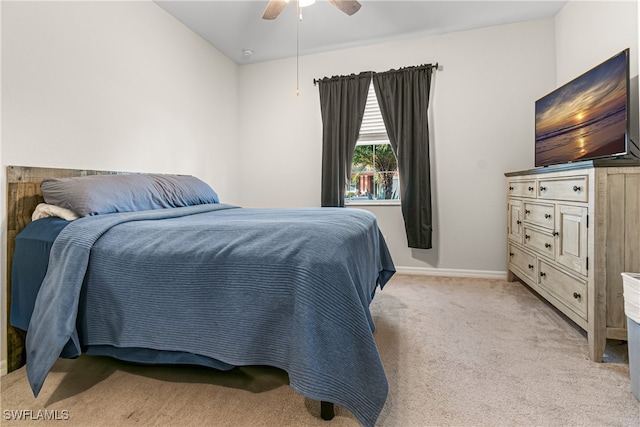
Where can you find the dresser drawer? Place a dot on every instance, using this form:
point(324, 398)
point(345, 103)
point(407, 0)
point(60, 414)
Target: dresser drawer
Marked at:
point(524, 262)
point(539, 214)
point(541, 242)
point(573, 188)
point(522, 188)
point(570, 291)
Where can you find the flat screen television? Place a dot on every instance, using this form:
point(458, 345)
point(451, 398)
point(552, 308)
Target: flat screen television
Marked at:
point(587, 118)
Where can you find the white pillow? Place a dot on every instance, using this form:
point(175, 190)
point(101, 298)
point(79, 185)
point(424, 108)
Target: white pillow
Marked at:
point(44, 210)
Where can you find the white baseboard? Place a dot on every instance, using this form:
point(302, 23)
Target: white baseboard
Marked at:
point(3, 368)
point(452, 272)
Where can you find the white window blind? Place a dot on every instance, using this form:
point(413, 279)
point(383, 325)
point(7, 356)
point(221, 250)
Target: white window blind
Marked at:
point(372, 130)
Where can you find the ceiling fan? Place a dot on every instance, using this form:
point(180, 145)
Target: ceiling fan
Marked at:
point(275, 7)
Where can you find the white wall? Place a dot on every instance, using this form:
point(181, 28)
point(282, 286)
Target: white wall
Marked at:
point(114, 86)
point(482, 126)
point(589, 32)
point(482, 122)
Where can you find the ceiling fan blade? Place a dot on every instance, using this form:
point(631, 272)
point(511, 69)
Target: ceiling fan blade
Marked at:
point(274, 8)
point(347, 6)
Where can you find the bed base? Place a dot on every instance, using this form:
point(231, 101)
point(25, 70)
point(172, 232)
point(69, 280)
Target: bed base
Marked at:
point(326, 410)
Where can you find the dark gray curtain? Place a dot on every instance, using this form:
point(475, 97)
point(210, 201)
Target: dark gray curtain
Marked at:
point(403, 96)
point(342, 102)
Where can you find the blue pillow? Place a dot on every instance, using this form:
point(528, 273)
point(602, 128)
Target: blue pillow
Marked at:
point(102, 194)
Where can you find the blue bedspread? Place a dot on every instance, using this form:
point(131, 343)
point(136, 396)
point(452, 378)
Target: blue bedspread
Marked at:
point(288, 288)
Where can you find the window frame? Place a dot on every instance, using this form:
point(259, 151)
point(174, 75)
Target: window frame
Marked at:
point(372, 132)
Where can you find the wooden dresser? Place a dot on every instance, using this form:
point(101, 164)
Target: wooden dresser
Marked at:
point(571, 230)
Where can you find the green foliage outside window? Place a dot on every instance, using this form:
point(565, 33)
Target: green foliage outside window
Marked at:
point(380, 161)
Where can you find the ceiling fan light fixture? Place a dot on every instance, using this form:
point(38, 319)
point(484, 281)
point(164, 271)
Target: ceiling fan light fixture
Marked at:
point(274, 7)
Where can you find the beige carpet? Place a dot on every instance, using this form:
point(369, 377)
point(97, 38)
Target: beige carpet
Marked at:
point(457, 352)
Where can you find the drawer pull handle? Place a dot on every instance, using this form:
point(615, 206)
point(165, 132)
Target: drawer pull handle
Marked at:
point(531, 266)
point(542, 274)
point(576, 295)
point(527, 212)
point(530, 188)
point(511, 254)
point(526, 236)
point(555, 233)
point(518, 222)
point(510, 188)
point(547, 216)
point(543, 188)
point(576, 188)
point(547, 245)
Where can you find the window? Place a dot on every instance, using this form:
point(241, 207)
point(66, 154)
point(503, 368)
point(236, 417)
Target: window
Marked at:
point(374, 171)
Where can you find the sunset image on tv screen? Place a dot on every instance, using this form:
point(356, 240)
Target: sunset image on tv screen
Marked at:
point(586, 118)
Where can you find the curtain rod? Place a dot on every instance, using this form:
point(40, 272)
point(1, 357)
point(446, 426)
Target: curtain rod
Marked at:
point(434, 66)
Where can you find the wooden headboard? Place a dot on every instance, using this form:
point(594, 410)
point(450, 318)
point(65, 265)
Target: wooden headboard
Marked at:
point(23, 195)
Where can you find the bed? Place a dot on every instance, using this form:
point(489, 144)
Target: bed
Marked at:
point(167, 274)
